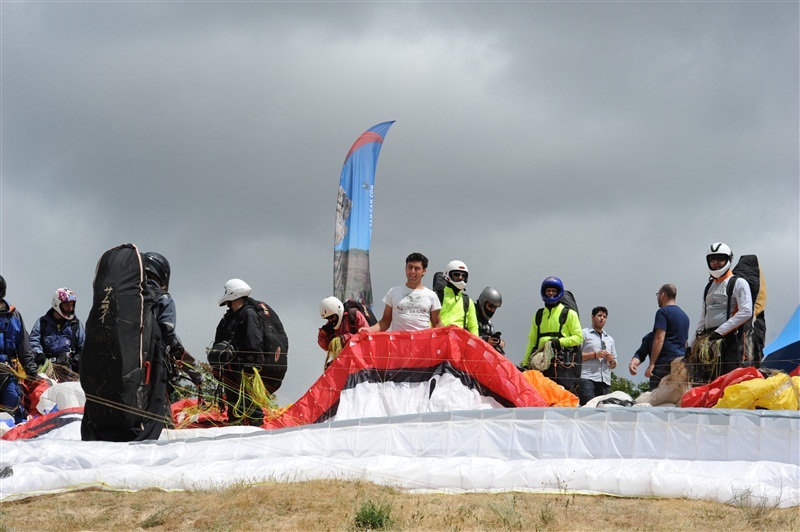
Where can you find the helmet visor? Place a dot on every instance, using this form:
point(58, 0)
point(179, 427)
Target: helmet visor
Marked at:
point(458, 275)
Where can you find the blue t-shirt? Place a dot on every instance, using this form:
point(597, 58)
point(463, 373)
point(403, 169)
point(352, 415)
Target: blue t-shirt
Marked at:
point(675, 323)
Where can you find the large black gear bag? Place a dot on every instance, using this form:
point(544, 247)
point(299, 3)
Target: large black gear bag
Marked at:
point(123, 369)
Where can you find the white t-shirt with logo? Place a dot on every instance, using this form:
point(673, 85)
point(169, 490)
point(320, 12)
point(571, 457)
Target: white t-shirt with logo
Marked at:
point(411, 308)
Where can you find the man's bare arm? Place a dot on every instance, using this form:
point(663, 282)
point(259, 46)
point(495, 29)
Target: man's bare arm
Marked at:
point(385, 322)
point(435, 320)
point(658, 343)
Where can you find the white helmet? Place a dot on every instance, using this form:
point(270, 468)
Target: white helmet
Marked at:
point(719, 250)
point(456, 266)
point(63, 295)
point(234, 289)
point(331, 306)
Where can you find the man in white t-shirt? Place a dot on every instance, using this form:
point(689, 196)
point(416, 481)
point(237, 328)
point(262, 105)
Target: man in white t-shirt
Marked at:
point(411, 306)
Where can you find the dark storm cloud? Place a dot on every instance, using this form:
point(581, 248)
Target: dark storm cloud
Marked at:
point(608, 143)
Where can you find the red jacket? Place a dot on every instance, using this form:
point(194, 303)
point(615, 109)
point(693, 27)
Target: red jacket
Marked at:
point(352, 322)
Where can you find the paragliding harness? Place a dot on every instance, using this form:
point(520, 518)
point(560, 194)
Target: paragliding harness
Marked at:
point(439, 285)
point(220, 358)
point(565, 367)
point(123, 369)
point(184, 366)
point(5, 375)
point(751, 336)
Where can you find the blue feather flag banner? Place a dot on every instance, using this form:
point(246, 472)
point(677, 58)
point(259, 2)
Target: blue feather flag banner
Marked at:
point(354, 211)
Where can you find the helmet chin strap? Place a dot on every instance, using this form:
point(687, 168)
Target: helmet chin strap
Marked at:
point(719, 274)
point(455, 286)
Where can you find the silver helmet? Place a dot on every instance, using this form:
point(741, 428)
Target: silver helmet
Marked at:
point(489, 295)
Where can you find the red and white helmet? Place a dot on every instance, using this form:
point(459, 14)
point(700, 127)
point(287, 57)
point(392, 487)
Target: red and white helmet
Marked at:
point(456, 266)
point(64, 295)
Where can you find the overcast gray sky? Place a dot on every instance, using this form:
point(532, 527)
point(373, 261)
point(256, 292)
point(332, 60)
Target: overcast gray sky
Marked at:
point(608, 143)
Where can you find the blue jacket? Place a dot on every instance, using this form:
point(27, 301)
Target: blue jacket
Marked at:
point(57, 339)
point(167, 317)
point(14, 340)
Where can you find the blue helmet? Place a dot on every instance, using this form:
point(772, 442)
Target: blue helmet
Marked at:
point(552, 282)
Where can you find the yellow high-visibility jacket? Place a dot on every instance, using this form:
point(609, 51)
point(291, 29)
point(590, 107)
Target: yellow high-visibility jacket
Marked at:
point(570, 334)
point(452, 312)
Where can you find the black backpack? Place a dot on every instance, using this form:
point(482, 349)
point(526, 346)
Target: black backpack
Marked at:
point(123, 369)
point(751, 336)
point(369, 316)
point(439, 284)
point(565, 368)
point(275, 347)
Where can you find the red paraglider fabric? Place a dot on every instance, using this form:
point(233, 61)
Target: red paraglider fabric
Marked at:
point(390, 353)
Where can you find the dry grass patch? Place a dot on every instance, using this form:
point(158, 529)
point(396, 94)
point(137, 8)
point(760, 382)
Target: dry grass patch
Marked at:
point(335, 505)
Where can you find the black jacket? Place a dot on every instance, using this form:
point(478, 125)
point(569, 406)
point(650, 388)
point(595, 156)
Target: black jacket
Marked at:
point(243, 330)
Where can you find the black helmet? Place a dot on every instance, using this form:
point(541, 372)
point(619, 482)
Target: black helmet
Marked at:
point(489, 295)
point(157, 265)
point(2, 287)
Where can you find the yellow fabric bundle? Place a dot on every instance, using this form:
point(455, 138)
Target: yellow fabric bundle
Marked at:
point(779, 392)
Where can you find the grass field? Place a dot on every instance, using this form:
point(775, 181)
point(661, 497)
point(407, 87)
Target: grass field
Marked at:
point(338, 505)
